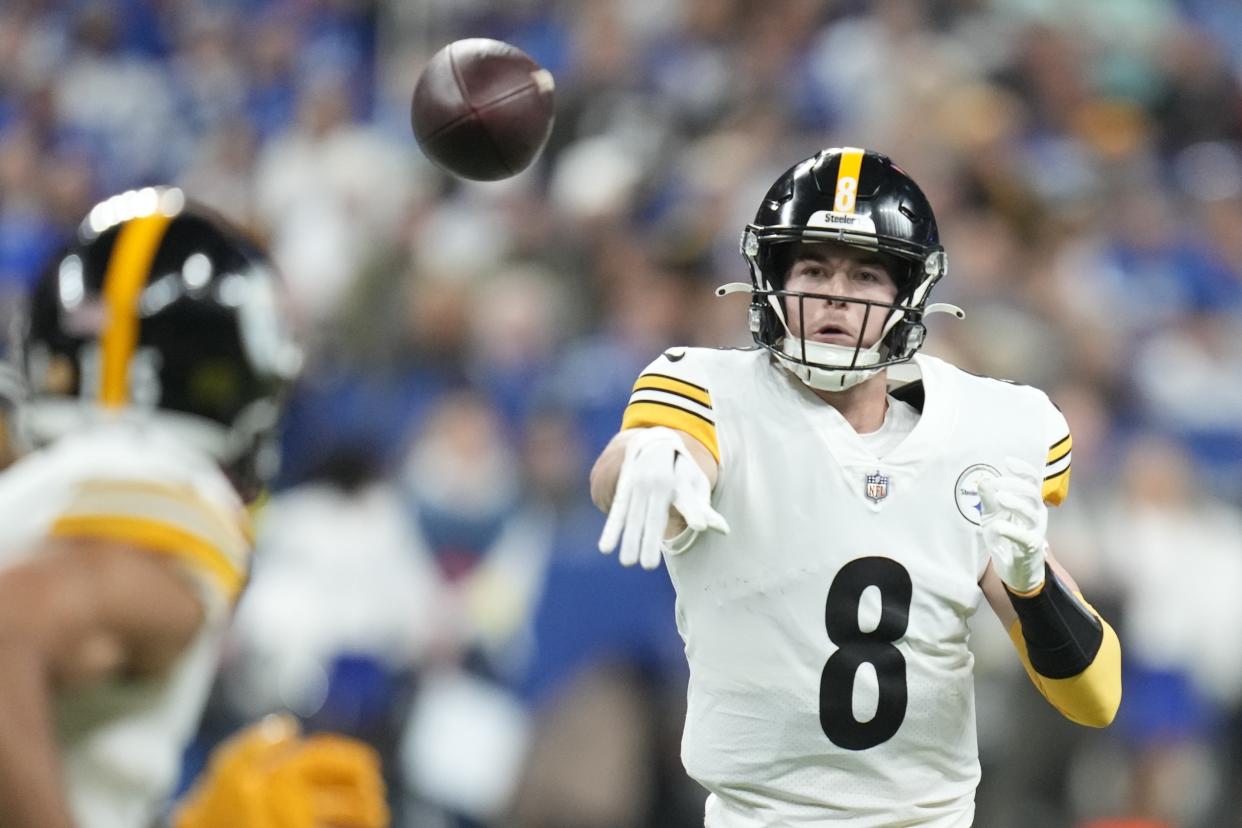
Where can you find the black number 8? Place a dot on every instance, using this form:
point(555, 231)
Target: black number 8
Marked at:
point(855, 648)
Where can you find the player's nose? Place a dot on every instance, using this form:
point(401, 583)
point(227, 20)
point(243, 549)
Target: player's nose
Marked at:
point(837, 289)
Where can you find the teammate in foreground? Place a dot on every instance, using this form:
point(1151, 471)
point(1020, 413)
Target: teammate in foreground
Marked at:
point(839, 505)
point(155, 359)
point(270, 776)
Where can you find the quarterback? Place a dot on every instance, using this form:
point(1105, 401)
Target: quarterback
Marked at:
point(832, 507)
point(155, 357)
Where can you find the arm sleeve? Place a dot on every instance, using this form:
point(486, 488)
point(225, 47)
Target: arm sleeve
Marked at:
point(1057, 461)
point(1091, 697)
point(211, 540)
point(672, 391)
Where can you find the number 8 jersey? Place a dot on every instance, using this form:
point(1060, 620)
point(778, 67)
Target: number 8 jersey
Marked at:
point(830, 679)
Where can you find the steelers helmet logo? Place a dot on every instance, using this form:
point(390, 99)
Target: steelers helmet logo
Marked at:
point(966, 491)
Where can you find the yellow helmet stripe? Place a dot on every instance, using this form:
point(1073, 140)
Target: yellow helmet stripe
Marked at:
point(132, 255)
point(847, 179)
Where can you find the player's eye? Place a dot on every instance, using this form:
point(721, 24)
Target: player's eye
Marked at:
point(868, 276)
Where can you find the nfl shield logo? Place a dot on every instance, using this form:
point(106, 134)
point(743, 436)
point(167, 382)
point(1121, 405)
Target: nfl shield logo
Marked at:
point(877, 487)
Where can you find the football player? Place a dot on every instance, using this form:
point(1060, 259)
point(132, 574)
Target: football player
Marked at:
point(840, 504)
point(155, 357)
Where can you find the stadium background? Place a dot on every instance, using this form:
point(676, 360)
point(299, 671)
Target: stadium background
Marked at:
point(426, 574)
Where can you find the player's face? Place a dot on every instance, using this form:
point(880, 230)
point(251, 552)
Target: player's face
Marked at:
point(838, 271)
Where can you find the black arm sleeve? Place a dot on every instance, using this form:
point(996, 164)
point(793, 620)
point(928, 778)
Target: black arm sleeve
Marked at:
point(1062, 636)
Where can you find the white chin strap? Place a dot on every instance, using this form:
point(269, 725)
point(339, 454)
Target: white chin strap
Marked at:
point(827, 354)
point(822, 365)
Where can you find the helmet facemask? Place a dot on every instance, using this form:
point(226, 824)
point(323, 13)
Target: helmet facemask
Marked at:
point(827, 366)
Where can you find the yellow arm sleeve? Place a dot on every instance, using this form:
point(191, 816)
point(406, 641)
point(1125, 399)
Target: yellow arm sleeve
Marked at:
point(1090, 698)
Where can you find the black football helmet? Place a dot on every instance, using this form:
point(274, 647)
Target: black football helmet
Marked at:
point(859, 198)
point(160, 312)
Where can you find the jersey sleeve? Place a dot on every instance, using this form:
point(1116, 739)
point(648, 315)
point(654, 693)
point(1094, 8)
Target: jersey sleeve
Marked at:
point(673, 391)
point(1057, 461)
point(209, 537)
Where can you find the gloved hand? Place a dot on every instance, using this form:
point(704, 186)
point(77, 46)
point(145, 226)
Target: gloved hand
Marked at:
point(1015, 521)
point(268, 776)
point(658, 472)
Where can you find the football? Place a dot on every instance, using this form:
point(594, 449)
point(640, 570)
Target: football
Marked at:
point(482, 109)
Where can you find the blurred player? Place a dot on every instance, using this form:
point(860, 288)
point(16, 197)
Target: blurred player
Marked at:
point(853, 529)
point(155, 358)
point(270, 776)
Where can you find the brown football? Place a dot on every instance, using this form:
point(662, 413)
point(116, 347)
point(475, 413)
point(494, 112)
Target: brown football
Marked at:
point(482, 109)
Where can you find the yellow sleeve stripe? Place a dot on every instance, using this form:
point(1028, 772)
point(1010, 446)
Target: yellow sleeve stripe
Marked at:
point(1057, 471)
point(193, 550)
point(1056, 487)
point(663, 382)
point(178, 506)
point(233, 520)
point(1060, 448)
point(647, 414)
point(1090, 698)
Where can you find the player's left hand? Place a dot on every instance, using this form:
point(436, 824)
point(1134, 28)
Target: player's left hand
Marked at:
point(1014, 525)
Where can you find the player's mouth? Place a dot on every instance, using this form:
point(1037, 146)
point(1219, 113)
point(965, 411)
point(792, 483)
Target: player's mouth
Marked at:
point(834, 335)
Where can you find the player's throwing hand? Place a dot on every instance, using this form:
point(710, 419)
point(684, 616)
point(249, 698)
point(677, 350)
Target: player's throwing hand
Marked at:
point(1015, 521)
point(657, 473)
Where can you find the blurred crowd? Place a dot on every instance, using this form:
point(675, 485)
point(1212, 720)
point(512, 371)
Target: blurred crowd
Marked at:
point(427, 575)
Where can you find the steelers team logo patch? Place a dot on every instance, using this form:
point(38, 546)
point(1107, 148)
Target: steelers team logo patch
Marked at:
point(966, 491)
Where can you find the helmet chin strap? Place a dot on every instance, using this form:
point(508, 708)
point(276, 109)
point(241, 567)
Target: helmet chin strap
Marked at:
point(801, 352)
point(829, 379)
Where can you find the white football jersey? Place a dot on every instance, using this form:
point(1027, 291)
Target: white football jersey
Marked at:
point(826, 634)
point(121, 741)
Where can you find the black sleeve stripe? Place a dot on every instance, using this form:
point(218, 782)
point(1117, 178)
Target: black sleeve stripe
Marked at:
point(1058, 444)
point(1055, 475)
point(675, 379)
point(1059, 457)
point(676, 408)
point(674, 393)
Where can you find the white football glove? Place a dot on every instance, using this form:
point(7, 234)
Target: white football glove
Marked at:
point(658, 472)
point(1015, 521)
